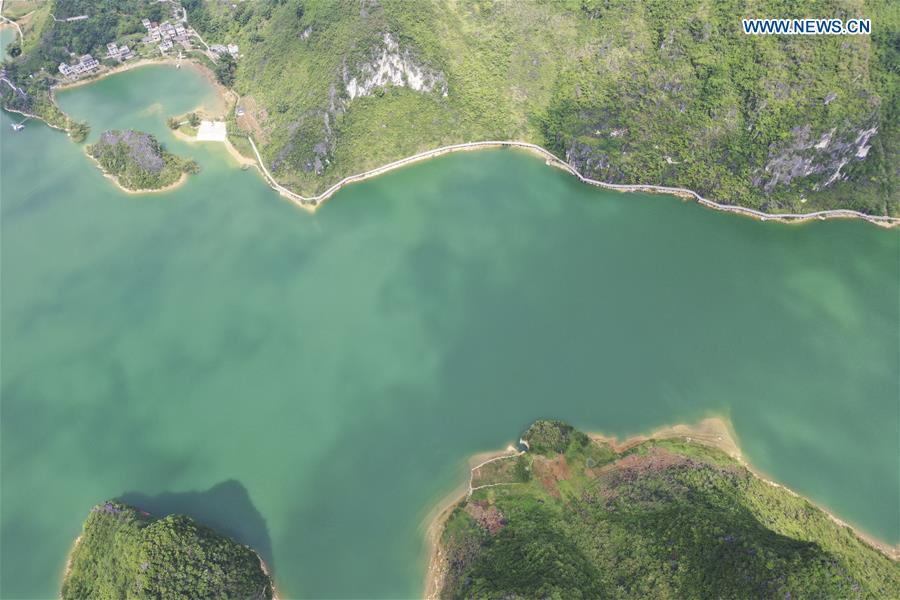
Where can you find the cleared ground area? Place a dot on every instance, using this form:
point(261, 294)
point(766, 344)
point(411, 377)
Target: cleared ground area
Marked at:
point(212, 131)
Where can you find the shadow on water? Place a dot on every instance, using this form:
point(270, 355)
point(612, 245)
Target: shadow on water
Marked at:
point(226, 507)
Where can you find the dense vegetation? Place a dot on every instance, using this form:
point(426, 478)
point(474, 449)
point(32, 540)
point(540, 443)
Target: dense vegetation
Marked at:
point(138, 161)
point(126, 553)
point(656, 91)
point(650, 91)
point(665, 519)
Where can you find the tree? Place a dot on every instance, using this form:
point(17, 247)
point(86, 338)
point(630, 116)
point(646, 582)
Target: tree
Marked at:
point(225, 69)
point(79, 131)
point(172, 122)
point(194, 119)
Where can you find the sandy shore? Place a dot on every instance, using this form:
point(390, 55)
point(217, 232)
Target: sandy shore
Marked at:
point(433, 524)
point(68, 568)
point(240, 158)
point(713, 432)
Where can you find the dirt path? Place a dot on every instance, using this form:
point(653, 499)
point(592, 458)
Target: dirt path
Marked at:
point(434, 522)
point(11, 23)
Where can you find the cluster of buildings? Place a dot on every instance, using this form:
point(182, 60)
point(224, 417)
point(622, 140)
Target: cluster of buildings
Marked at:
point(120, 53)
point(219, 49)
point(166, 34)
point(86, 64)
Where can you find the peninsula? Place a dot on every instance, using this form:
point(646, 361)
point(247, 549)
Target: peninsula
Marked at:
point(669, 515)
point(137, 162)
point(125, 552)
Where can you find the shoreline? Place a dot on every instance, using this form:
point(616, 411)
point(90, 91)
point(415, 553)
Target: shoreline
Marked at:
point(224, 93)
point(229, 147)
point(168, 188)
point(267, 572)
point(433, 523)
point(715, 432)
point(7, 22)
point(69, 556)
point(718, 433)
point(41, 119)
point(311, 203)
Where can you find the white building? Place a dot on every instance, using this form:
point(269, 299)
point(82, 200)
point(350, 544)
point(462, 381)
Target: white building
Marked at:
point(118, 52)
point(85, 64)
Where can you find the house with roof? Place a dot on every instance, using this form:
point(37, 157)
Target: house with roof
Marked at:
point(118, 52)
point(86, 64)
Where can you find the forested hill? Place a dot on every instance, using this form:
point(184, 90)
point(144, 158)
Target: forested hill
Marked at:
point(628, 91)
point(127, 553)
point(573, 518)
point(652, 91)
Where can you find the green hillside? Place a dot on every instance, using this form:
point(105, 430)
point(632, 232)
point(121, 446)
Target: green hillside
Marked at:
point(665, 519)
point(126, 553)
point(658, 91)
point(653, 91)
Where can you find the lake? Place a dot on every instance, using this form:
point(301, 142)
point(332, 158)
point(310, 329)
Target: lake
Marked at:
point(313, 384)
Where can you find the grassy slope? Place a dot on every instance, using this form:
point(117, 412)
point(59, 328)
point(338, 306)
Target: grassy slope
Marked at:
point(126, 553)
point(665, 519)
point(674, 78)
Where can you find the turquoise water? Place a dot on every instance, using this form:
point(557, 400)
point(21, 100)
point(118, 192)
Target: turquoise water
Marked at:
point(313, 384)
point(7, 34)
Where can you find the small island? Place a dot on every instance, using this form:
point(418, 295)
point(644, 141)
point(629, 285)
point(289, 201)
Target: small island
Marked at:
point(673, 515)
point(137, 162)
point(124, 552)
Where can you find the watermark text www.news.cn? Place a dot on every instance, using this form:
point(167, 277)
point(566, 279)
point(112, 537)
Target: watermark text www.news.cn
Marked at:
point(807, 26)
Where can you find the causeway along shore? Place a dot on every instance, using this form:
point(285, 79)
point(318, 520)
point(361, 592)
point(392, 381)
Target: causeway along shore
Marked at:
point(311, 203)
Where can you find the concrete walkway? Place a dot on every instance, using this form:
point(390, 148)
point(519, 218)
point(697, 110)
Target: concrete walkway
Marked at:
point(309, 203)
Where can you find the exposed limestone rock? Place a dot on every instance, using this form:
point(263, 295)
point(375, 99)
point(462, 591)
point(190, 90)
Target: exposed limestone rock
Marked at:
point(805, 155)
point(861, 148)
point(393, 67)
point(588, 160)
